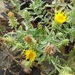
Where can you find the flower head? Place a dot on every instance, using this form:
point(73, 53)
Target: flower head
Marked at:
point(10, 14)
point(28, 39)
point(30, 54)
point(60, 17)
point(50, 50)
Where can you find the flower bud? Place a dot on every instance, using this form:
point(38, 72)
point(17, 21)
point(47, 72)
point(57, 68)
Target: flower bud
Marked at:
point(10, 14)
point(19, 45)
point(8, 40)
point(66, 71)
point(65, 42)
point(26, 15)
point(12, 20)
point(59, 34)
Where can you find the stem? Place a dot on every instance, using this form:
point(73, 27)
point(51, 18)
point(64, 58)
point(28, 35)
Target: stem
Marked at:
point(55, 65)
point(14, 58)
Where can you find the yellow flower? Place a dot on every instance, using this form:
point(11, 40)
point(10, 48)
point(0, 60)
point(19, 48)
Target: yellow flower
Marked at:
point(60, 17)
point(30, 54)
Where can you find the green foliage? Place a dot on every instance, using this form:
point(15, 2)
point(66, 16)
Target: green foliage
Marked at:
point(47, 32)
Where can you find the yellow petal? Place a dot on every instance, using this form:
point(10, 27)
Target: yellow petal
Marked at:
point(30, 54)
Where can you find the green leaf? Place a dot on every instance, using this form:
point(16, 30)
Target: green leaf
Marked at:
point(42, 58)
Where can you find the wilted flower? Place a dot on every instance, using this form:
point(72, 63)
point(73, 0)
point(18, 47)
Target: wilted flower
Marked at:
point(30, 55)
point(50, 50)
point(26, 68)
point(28, 39)
point(60, 17)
